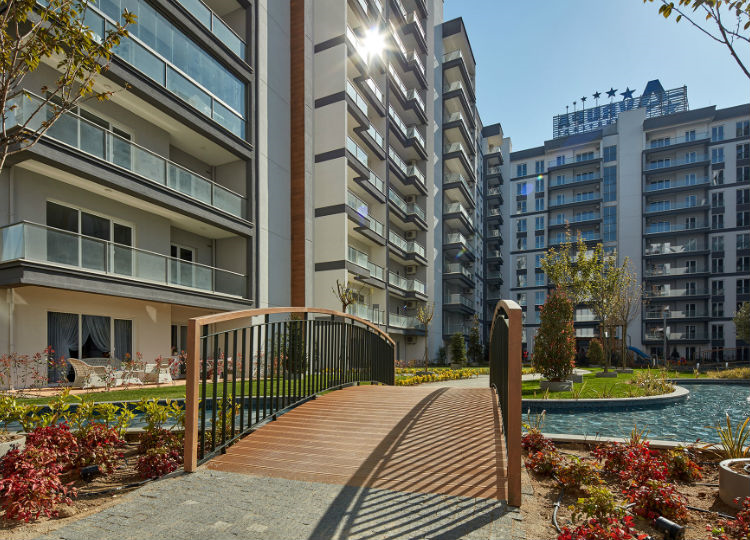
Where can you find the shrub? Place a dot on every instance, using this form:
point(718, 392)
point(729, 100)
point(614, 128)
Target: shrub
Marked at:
point(544, 463)
point(100, 446)
point(573, 472)
point(31, 486)
point(606, 529)
point(160, 452)
point(734, 529)
point(631, 463)
point(595, 353)
point(458, 349)
point(58, 442)
point(533, 441)
point(735, 373)
point(555, 343)
point(657, 498)
point(681, 466)
point(600, 504)
point(652, 382)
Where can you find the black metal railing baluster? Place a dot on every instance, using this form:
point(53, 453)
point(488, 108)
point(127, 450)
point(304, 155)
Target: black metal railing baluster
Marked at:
point(203, 381)
point(225, 393)
point(234, 378)
point(264, 328)
point(272, 352)
point(214, 392)
point(242, 379)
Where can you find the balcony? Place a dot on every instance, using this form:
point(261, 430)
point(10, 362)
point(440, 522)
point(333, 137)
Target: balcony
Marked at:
point(414, 19)
point(408, 171)
point(668, 206)
point(455, 180)
point(664, 185)
point(62, 249)
point(407, 246)
point(679, 162)
point(464, 303)
point(675, 293)
point(458, 268)
point(677, 314)
point(666, 227)
point(89, 138)
point(367, 313)
point(494, 170)
point(578, 218)
point(406, 322)
point(668, 142)
point(677, 272)
point(580, 199)
point(359, 101)
point(361, 208)
point(457, 208)
point(357, 152)
point(493, 274)
point(456, 328)
point(216, 26)
point(673, 337)
point(573, 180)
point(574, 159)
point(408, 285)
point(668, 249)
point(457, 55)
point(355, 256)
point(411, 208)
point(376, 271)
point(585, 236)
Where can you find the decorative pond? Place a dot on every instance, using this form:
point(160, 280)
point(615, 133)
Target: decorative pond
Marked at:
point(686, 421)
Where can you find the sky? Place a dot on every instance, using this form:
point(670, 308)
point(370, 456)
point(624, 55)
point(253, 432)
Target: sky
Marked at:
point(536, 57)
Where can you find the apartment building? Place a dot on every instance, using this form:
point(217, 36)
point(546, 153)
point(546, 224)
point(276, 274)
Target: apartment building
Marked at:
point(132, 215)
point(492, 151)
point(658, 183)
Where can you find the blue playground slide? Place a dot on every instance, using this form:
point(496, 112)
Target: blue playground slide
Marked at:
point(639, 353)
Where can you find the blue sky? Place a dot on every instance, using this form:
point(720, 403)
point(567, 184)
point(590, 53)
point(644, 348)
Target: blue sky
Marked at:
point(536, 57)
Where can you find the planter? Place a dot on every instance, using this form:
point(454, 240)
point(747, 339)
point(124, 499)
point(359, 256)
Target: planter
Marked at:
point(606, 375)
point(11, 441)
point(625, 370)
point(733, 482)
point(556, 386)
point(576, 378)
point(457, 366)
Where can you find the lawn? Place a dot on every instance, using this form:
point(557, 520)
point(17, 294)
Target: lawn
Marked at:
point(594, 387)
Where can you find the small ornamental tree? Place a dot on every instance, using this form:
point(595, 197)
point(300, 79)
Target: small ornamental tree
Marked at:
point(555, 343)
point(458, 349)
point(476, 350)
point(595, 354)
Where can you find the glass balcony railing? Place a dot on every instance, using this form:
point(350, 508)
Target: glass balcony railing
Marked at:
point(668, 162)
point(578, 218)
point(676, 314)
point(400, 163)
point(377, 182)
point(455, 268)
point(367, 313)
point(362, 209)
point(398, 201)
point(493, 253)
point(356, 151)
point(452, 178)
point(493, 211)
point(677, 336)
point(666, 142)
point(413, 94)
point(357, 44)
point(414, 18)
point(580, 197)
point(458, 299)
point(453, 208)
point(414, 57)
point(376, 136)
point(375, 90)
point(456, 328)
point(397, 80)
point(88, 137)
point(355, 256)
point(684, 271)
point(359, 101)
point(457, 238)
point(400, 9)
point(494, 169)
point(454, 117)
point(218, 27)
point(565, 181)
point(413, 133)
point(456, 147)
point(414, 208)
point(493, 191)
point(409, 246)
point(47, 245)
point(410, 285)
point(660, 185)
point(396, 119)
point(397, 39)
point(664, 206)
point(404, 321)
point(494, 274)
point(667, 249)
point(574, 158)
point(672, 293)
point(665, 226)
point(376, 271)
point(414, 171)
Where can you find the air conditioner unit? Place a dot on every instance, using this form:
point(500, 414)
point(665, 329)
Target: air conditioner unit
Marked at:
point(411, 199)
point(411, 269)
point(411, 340)
point(411, 235)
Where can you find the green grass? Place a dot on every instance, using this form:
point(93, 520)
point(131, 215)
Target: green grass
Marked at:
point(597, 387)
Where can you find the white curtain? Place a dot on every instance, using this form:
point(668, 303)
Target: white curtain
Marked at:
point(98, 328)
point(62, 336)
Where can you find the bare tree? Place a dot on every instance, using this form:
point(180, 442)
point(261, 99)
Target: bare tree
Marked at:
point(345, 294)
point(425, 313)
point(730, 20)
point(629, 304)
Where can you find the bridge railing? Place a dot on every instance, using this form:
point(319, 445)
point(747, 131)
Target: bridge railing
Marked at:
point(245, 367)
point(505, 378)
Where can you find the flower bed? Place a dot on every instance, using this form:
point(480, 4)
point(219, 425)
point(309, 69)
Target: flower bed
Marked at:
point(409, 377)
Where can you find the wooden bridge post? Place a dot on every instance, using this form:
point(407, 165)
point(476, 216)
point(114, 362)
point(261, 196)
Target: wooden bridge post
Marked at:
point(192, 396)
point(513, 435)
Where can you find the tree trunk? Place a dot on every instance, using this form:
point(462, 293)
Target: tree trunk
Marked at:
point(426, 351)
point(624, 349)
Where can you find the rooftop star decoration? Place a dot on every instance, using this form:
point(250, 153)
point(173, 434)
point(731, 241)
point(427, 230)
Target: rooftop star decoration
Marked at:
point(627, 94)
point(611, 92)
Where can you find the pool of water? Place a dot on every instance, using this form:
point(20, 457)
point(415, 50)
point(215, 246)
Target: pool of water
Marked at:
point(685, 421)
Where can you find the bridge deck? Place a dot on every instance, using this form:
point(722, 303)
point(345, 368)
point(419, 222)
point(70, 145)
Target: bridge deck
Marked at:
point(423, 440)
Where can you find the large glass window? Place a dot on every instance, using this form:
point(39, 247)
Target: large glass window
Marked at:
point(610, 184)
point(610, 224)
point(610, 153)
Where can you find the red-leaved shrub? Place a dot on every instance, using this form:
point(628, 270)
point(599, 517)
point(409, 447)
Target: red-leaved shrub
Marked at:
point(160, 453)
point(734, 529)
point(58, 441)
point(543, 462)
point(632, 463)
point(99, 445)
point(594, 529)
point(681, 466)
point(657, 498)
point(534, 441)
point(573, 472)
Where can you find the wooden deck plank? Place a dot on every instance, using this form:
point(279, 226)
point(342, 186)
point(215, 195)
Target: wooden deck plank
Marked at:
point(425, 440)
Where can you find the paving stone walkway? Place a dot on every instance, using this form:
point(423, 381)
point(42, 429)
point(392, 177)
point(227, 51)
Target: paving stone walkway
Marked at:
point(221, 505)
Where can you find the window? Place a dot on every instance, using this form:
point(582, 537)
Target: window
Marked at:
point(690, 310)
point(521, 243)
point(717, 288)
point(539, 166)
point(521, 207)
point(521, 169)
point(560, 160)
point(584, 156)
point(743, 264)
point(743, 241)
point(743, 219)
point(521, 263)
point(743, 174)
point(539, 241)
point(539, 276)
point(717, 332)
point(610, 184)
point(717, 133)
point(743, 196)
point(661, 143)
point(521, 225)
point(717, 243)
point(521, 298)
point(72, 335)
point(717, 155)
point(87, 241)
point(717, 265)
point(539, 204)
point(179, 338)
point(743, 128)
point(690, 135)
point(610, 153)
point(539, 223)
point(717, 221)
point(718, 179)
point(690, 331)
point(559, 180)
point(521, 189)
point(743, 286)
point(539, 298)
point(609, 232)
point(743, 151)
point(691, 157)
point(521, 280)
point(717, 200)
point(717, 309)
point(539, 185)
point(538, 260)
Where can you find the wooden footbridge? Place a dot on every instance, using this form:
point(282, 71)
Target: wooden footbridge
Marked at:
point(279, 392)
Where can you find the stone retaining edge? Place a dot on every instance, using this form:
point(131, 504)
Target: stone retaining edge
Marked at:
point(679, 394)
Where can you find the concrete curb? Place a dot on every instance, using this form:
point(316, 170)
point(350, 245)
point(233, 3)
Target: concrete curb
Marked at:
point(558, 405)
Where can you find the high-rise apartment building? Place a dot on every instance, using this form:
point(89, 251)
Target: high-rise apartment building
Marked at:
point(658, 183)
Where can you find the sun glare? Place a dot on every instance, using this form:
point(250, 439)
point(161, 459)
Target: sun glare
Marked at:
point(373, 42)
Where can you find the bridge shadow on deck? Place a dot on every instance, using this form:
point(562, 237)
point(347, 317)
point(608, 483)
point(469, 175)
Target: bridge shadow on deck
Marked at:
point(414, 462)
